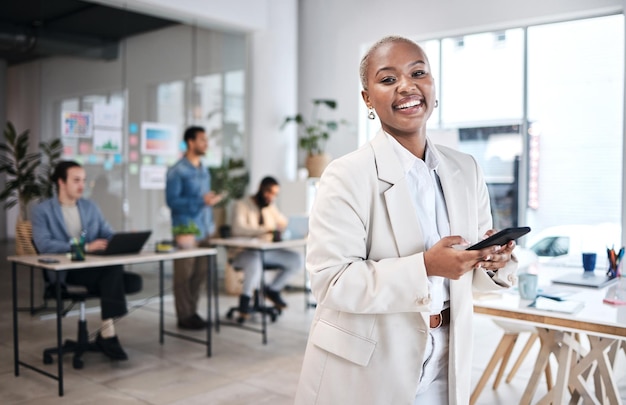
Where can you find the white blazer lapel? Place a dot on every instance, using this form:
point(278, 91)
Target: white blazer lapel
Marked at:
point(404, 224)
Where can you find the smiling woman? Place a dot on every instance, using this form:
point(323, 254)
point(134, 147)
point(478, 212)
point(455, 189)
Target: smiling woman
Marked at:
point(394, 295)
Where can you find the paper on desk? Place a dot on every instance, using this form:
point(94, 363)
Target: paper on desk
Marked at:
point(566, 306)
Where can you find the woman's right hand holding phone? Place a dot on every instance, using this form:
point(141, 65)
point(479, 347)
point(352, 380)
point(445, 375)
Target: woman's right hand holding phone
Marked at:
point(449, 258)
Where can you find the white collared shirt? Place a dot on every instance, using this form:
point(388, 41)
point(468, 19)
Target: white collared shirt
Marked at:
point(430, 208)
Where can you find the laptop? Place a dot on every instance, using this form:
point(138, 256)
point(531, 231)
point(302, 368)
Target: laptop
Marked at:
point(582, 279)
point(124, 243)
point(297, 227)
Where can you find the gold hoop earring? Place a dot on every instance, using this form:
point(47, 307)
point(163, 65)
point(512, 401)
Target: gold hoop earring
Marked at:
point(371, 114)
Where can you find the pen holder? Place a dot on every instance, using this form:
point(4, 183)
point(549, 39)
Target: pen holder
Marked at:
point(615, 262)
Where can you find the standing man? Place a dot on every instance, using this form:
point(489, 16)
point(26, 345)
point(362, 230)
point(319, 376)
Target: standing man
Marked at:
point(189, 198)
point(67, 216)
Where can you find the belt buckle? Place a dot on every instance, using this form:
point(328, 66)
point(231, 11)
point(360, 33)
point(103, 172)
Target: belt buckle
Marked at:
point(440, 322)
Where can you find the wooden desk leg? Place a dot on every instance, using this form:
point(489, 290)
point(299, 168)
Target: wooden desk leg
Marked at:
point(503, 349)
point(529, 344)
point(566, 352)
point(598, 363)
point(549, 345)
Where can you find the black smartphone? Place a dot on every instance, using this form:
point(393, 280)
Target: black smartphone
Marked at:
point(48, 260)
point(501, 238)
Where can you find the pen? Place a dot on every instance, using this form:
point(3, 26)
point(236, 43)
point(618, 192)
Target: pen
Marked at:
point(552, 297)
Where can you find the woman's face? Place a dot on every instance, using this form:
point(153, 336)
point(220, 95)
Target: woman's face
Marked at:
point(400, 87)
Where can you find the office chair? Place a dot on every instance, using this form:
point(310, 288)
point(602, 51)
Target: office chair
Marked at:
point(256, 305)
point(503, 353)
point(78, 295)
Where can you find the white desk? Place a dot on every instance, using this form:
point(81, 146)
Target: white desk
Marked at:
point(91, 261)
point(261, 246)
point(579, 370)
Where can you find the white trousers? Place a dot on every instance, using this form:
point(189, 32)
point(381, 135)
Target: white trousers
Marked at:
point(250, 262)
point(433, 387)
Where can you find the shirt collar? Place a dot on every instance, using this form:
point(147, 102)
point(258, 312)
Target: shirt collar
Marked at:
point(190, 165)
point(407, 159)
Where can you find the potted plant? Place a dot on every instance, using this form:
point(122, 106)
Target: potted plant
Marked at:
point(313, 134)
point(185, 235)
point(27, 179)
point(231, 178)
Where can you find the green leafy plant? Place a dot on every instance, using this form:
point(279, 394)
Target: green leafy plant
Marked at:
point(27, 174)
point(313, 133)
point(190, 228)
point(232, 178)
point(51, 152)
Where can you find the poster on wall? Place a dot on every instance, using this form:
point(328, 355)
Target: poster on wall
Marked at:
point(76, 124)
point(107, 141)
point(106, 115)
point(158, 139)
point(152, 177)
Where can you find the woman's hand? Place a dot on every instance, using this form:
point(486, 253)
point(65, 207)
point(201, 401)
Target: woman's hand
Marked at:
point(500, 255)
point(448, 257)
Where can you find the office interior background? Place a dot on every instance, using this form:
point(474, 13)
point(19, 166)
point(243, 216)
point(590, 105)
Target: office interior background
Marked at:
point(534, 90)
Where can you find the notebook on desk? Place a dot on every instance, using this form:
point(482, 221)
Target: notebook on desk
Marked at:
point(124, 243)
point(582, 279)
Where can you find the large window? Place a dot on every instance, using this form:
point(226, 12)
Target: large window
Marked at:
point(575, 106)
point(482, 78)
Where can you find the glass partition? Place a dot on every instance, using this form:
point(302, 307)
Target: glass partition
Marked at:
point(130, 130)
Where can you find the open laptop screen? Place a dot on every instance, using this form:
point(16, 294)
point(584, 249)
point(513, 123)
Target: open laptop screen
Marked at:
point(125, 243)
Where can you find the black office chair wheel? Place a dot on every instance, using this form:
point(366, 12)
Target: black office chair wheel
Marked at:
point(78, 363)
point(47, 358)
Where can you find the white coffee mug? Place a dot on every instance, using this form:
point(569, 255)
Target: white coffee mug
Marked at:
point(527, 286)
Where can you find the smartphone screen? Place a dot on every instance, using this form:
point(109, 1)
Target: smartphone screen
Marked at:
point(501, 238)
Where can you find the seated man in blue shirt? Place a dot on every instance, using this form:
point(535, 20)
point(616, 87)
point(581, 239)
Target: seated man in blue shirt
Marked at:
point(67, 215)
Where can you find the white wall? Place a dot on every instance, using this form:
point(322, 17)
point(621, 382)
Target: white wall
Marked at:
point(273, 90)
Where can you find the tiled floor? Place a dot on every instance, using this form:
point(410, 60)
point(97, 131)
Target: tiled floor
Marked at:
point(241, 371)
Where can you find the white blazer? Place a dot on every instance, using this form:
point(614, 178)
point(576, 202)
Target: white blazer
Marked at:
point(366, 265)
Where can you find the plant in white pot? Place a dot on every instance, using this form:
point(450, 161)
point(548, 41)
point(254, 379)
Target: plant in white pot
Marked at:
point(185, 235)
point(313, 134)
point(27, 179)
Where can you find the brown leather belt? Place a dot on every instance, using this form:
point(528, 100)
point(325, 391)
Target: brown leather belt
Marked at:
point(441, 319)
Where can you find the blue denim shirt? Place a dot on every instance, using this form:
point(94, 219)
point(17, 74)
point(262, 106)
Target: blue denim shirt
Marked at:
point(184, 191)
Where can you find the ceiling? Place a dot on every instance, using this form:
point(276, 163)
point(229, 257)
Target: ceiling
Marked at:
point(33, 29)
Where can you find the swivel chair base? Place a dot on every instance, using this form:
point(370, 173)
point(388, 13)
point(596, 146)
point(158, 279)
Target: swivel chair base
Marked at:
point(256, 307)
point(78, 347)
